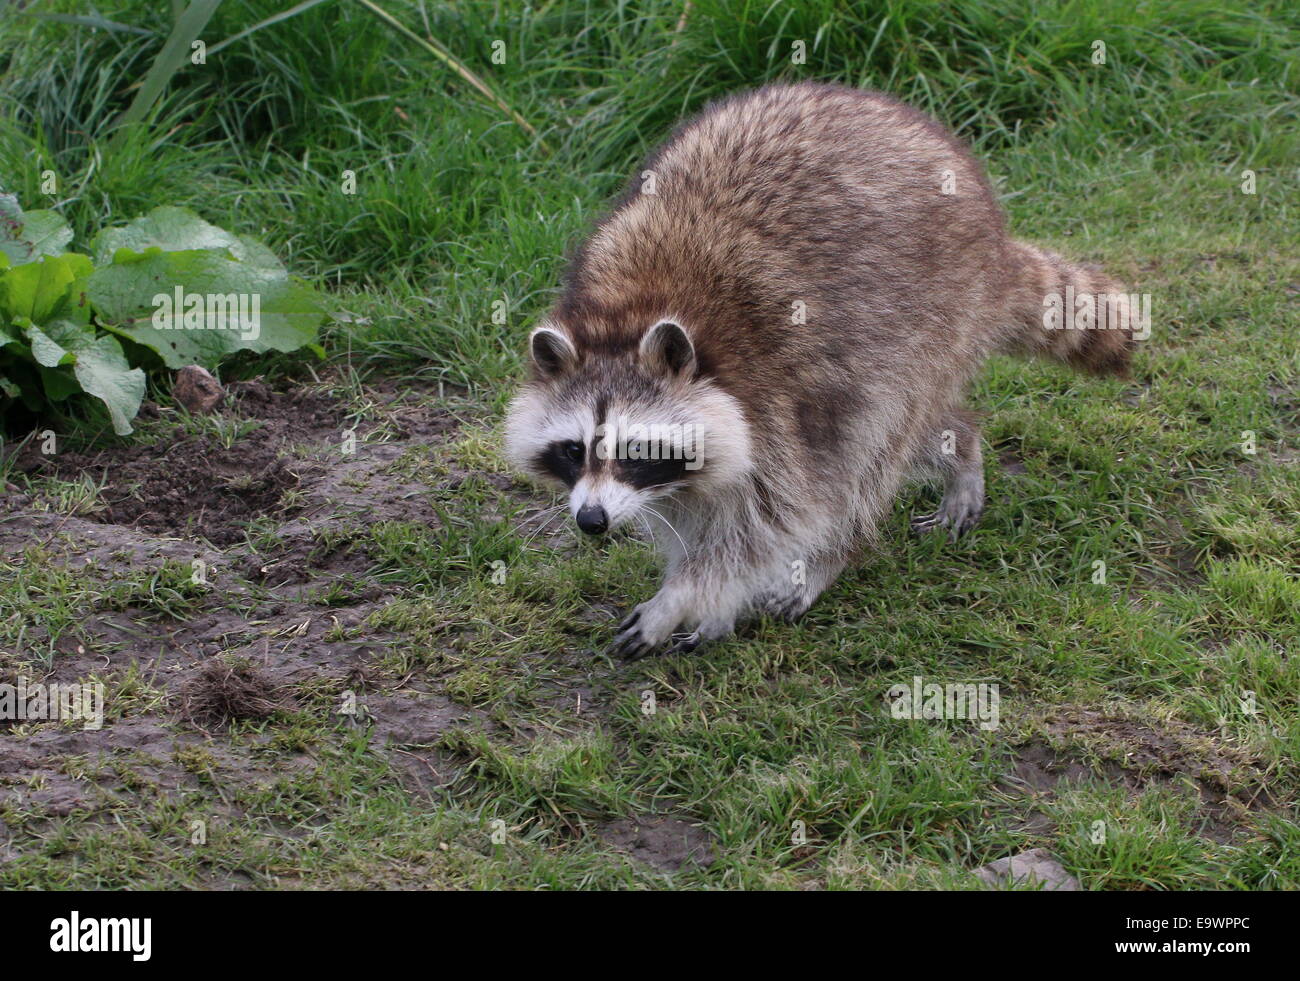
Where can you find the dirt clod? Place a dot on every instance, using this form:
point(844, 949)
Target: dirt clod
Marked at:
point(197, 390)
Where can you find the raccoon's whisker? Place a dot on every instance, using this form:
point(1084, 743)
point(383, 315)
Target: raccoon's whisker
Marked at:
point(651, 510)
point(552, 511)
point(646, 525)
point(689, 511)
point(691, 517)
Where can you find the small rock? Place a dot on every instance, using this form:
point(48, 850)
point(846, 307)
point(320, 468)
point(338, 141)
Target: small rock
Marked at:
point(196, 389)
point(1034, 868)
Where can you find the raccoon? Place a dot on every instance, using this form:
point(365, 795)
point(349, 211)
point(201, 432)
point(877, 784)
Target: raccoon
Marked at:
point(768, 334)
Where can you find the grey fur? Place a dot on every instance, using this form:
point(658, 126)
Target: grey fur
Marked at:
point(837, 302)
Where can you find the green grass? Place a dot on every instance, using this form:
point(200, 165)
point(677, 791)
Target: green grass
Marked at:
point(1136, 164)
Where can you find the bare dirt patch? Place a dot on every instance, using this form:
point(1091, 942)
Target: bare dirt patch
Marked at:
point(268, 495)
point(197, 486)
point(1136, 753)
point(661, 842)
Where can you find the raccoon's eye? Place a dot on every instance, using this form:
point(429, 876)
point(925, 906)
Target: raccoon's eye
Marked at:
point(573, 451)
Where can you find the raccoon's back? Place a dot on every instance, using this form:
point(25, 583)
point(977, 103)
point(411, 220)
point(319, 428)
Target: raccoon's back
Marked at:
point(820, 168)
point(808, 202)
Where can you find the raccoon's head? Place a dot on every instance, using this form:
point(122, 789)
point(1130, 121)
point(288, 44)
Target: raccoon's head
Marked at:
point(622, 429)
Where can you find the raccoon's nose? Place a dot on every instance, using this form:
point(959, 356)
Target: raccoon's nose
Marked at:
point(592, 519)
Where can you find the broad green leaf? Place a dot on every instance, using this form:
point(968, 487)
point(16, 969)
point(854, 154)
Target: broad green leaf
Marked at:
point(102, 370)
point(198, 307)
point(167, 228)
point(48, 352)
point(42, 290)
point(26, 237)
point(60, 383)
point(47, 231)
point(169, 281)
point(68, 334)
point(12, 245)
point(253, 252)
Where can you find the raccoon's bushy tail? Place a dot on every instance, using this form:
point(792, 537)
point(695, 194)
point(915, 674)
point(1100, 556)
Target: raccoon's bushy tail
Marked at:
point(1049, 313)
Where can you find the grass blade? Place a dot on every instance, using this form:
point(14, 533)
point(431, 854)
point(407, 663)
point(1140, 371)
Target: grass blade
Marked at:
point(452, 62)
point(170, 58)
point(89, 20)
point(273, 19)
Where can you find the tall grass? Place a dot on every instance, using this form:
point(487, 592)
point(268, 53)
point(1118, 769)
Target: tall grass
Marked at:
point(456, 203)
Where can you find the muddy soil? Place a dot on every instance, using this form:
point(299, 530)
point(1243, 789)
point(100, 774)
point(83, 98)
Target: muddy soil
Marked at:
point(248, 491)
point(662, 842)
point(1081, 745)
point(197, 487)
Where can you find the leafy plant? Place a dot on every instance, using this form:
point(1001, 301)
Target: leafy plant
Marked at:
point(176, 289)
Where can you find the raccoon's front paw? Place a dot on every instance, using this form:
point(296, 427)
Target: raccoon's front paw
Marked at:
point(636, 639)
point(634, 646)
point(640, 633)
point(650, 627)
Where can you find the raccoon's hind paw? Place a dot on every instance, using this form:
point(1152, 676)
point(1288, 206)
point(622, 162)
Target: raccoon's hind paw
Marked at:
point(685, 643)
point(934, 522)
point(788, 608)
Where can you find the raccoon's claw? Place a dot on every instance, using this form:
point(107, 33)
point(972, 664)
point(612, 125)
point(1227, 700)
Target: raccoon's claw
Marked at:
point(625, 642)
point(929, 522)
point(957, 525)
point(661, 625)
point(630, 644)
point(960, 509)
point(685, 643)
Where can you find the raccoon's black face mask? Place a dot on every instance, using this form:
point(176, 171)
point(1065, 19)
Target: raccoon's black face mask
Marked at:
point(621, 430)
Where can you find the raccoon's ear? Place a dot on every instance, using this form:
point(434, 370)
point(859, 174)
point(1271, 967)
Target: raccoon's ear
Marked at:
point(666, 347)
point(553, 353)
